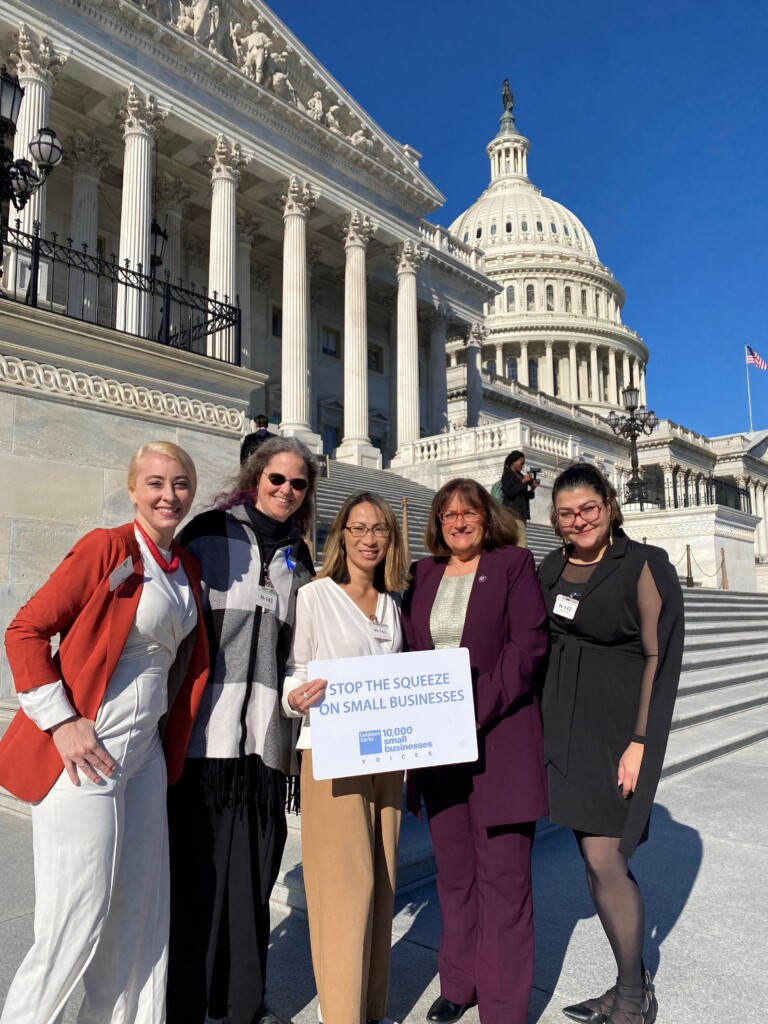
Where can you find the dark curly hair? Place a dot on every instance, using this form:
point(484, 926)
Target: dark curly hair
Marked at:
point(582, 474)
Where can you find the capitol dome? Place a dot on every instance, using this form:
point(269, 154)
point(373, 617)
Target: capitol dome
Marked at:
point(513, 213)
point(555, 327)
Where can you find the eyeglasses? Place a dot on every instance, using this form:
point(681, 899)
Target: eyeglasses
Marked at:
point(469, 515)
point(358, 530)
point(297, 484)
point(590, 514)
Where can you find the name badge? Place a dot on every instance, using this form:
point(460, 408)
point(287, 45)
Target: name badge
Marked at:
point(565, 607)
point(381, 631)
point(121, 573)
point(266, 598)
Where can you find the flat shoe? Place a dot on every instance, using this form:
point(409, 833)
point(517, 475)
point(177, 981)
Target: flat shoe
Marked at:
point(443, 1011)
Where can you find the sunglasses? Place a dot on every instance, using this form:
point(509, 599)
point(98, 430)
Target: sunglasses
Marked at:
point(297, 484)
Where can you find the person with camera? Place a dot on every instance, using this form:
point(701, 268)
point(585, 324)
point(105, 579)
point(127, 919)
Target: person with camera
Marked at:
point(517, 488)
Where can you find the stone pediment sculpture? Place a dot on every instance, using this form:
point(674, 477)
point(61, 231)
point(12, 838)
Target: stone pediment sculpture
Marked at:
point(246, 35)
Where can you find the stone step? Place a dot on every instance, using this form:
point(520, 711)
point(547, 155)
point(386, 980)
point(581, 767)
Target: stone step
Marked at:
point(695, 707)
point(699, 639)
point(732, 654)
point(688, 748)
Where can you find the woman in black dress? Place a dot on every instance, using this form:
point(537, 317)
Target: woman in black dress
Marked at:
point(616, 621)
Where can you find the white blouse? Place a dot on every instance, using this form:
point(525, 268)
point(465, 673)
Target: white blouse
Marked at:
point(330, 625)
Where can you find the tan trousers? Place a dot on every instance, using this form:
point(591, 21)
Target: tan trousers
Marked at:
point(349, 838)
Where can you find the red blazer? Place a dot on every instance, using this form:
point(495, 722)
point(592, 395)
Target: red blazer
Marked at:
point(94, 623)
point(505, 630)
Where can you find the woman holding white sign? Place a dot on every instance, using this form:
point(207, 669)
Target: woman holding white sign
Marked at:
point(349, 827)
point(478, 590)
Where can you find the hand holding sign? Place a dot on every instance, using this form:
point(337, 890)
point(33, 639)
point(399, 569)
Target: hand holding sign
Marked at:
point(393, 711)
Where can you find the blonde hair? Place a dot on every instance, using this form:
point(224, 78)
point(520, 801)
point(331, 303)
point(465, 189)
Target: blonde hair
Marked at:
point(392, 573)
point(169, 451)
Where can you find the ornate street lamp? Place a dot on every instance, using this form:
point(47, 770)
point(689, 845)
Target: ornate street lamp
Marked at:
point(159, 237)
point(19, 179)
point(638, 420)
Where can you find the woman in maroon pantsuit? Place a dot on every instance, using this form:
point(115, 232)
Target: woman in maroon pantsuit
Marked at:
point(479, 591)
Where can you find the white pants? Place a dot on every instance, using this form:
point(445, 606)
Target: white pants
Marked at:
point(101, 873)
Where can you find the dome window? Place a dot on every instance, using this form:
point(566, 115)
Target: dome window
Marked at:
point(578, 236)
point(566, 232)
point(490, 368)
point(550, 298)
point(553, 228)
point(567, 298)
point(530, 298)
point(512, 368)
point(466, 236)
point(584, 300)
point(597, 303)
point(510, 298)
point(523, 224)
point(509, 227)
point(479, 231)
point(533, 374)
point(493, 228)
point(539, 226)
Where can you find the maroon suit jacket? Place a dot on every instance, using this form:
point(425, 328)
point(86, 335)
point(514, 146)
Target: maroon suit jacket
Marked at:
point(505, 630)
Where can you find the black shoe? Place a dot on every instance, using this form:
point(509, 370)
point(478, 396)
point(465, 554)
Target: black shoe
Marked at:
point(443, 1011)
point(267, 1017)
point(591, 1011)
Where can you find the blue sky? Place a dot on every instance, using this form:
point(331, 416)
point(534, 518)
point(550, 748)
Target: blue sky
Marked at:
point(648, 120)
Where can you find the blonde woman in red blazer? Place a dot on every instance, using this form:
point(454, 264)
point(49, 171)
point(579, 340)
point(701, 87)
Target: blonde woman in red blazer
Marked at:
point(85, 749)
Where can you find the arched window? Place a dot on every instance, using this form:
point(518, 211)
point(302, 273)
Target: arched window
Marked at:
point(597, 303)
point(479, 231)
point(490, 367)
point(509, 227)
point(466, 237)
point(576, 232)
point(512, 368)
point(523, 224)
point(533, 373)
point(555, 378)
point(539, 226)
point(510, 298)
point(553, 227)
point(583, 300)
point(493, 228)
point(566, 232)
point(530, 298)
point(567, 298)
point(550, 298)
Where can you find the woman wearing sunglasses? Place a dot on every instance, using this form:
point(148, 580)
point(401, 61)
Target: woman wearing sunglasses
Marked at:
point(227, 813)
point(479, 591)
point(349, 827)
point(616, 620)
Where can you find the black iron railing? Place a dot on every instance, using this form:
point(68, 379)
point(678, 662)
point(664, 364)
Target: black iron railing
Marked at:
point(710, 491)
point(46, 274)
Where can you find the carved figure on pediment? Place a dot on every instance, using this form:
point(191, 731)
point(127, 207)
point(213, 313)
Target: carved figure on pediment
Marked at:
point(362, 141)
point(251, 50)
point(278, 79)
point(315, 107)
point(331, 120)
point(199, 20)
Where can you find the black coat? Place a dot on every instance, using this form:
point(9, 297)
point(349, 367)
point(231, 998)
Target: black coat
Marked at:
point(517, 495)
point(597, 656)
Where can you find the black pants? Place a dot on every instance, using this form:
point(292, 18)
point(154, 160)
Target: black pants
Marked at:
point(227, 834)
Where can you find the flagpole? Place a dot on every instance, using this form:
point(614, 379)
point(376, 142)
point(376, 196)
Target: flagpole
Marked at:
point(749, 394)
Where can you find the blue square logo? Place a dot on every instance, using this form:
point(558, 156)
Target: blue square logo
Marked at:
point(370, 741)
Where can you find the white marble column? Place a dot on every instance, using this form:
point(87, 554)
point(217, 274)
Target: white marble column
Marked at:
point(613, 383)
point(549, 382)
point(477, 335)
point(356, 444)
point(247, 228)
point(573, 369)
point(225, 161)
point(500, 371)
point(297, 199)
point(438, 383)
point(37, 64)
point(87, 158)
point(625, 369)
point(643, 396)
point(141, 121)
point(762, 528)
point(594, 374)
point(636, 372)
point(407, 259)
point(523, 372)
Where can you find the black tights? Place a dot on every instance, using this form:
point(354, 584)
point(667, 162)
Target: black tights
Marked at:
point(618, 902)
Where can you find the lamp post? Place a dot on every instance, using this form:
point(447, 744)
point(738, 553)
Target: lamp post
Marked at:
point(638, 420)
point(19, 179)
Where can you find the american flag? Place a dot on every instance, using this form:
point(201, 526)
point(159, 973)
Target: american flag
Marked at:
point(755, 359)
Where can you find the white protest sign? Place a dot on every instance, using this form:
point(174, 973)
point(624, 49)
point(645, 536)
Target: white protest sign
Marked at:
point(392, 711)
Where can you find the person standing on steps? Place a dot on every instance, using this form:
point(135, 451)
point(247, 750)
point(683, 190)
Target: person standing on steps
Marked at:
point(518, 489)
point(616, 624)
